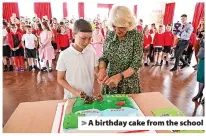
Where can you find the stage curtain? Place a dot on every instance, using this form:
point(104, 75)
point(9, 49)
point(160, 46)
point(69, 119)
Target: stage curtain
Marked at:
point(135, 10)
point(9, 8)
point(169, 13)
point(198, 14)
point(65, 11)
point(43, 9)
point(81, 9)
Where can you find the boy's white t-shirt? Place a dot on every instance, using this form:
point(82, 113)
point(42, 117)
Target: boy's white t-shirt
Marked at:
point(29, 40)
point(79, 67)
point(5, 33)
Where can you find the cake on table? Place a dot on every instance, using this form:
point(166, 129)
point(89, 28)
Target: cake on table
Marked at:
point(107, 105)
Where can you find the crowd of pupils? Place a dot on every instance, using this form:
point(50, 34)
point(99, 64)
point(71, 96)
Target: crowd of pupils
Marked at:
point(39, 41)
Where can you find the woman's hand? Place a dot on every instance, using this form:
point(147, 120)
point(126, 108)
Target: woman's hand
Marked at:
point(114, 80)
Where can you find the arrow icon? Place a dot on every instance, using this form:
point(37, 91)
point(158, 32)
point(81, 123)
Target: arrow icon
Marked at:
point(84, 123)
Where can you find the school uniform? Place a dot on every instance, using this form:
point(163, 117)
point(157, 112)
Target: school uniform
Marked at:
point(139, 27)
point(6, 48)
point(158, 42)
point(147, 41)
point(14, 40)
point(190, 48)
point(62, 41)
point(168, 41)
point(79, 68)
point(30, 47)
point(54, 41)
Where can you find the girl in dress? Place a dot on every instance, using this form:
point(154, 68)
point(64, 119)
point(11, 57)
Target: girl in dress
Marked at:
point(97, 41)
point(46, 51)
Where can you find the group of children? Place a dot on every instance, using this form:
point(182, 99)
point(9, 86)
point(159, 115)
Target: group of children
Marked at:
point(37, 42)
point(158, 44)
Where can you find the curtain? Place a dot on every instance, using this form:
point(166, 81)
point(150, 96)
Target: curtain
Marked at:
point(43, 9)
point(81, 9)
point(169, 13)
point(135, 10)
point(9, 8)
point(65, 11)
point(198, 14)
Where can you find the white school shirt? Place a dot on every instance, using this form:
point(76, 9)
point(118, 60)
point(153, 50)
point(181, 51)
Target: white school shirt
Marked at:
point(5, 33)
point(79, 67)
point(29, 40)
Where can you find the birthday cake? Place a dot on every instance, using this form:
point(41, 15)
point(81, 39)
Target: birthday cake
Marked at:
point(107, 105)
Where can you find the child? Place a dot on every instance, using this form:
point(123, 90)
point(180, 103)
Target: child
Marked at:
point(139, 27)
point(97, 41)
point(62, 39)
point(168, 43)
point(6, 48)
point(77, 65)
point(54, 37)
point(151, 50)
point(158, 43)
point(190, 48)
point(30, 47)
point(17, 52)
point(46, 51)
point(146, 44)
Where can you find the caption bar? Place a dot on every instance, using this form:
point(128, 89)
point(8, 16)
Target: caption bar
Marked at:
point(141, 123)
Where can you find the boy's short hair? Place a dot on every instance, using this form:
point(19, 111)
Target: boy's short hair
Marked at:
point(184, 15)
point(169, 25)
point(61, 23)
point(140, 20)
point(82, 25)
point(28, 26)
point(160, 26)
point(13, 25)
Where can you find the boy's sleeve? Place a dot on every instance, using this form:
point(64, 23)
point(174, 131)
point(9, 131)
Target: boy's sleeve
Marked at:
point(61, 63)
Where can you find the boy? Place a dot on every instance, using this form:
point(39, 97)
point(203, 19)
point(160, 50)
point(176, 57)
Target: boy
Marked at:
point(168, 43)
point(17, 50)
point(30, 47)
point(77, 65)
point(6, 49)
point(158, 43)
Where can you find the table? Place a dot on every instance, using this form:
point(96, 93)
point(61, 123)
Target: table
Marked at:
point(37, 117)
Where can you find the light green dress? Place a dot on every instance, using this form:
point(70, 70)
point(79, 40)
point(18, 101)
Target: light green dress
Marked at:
point(119, 55)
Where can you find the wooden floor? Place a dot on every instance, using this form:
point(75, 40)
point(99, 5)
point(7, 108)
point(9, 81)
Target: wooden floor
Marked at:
point(179, 88)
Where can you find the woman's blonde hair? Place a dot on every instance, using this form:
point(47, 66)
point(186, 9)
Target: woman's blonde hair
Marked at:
point(121, 16)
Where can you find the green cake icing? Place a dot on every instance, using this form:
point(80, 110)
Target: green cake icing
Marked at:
point(108, 102)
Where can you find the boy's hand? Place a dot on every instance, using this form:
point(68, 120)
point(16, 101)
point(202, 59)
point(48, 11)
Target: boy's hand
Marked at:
point(77, 93)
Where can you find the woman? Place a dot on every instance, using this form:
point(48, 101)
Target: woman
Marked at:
point(200, 30)
point(122, 54)
point(46, 51)
point(200, 70)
